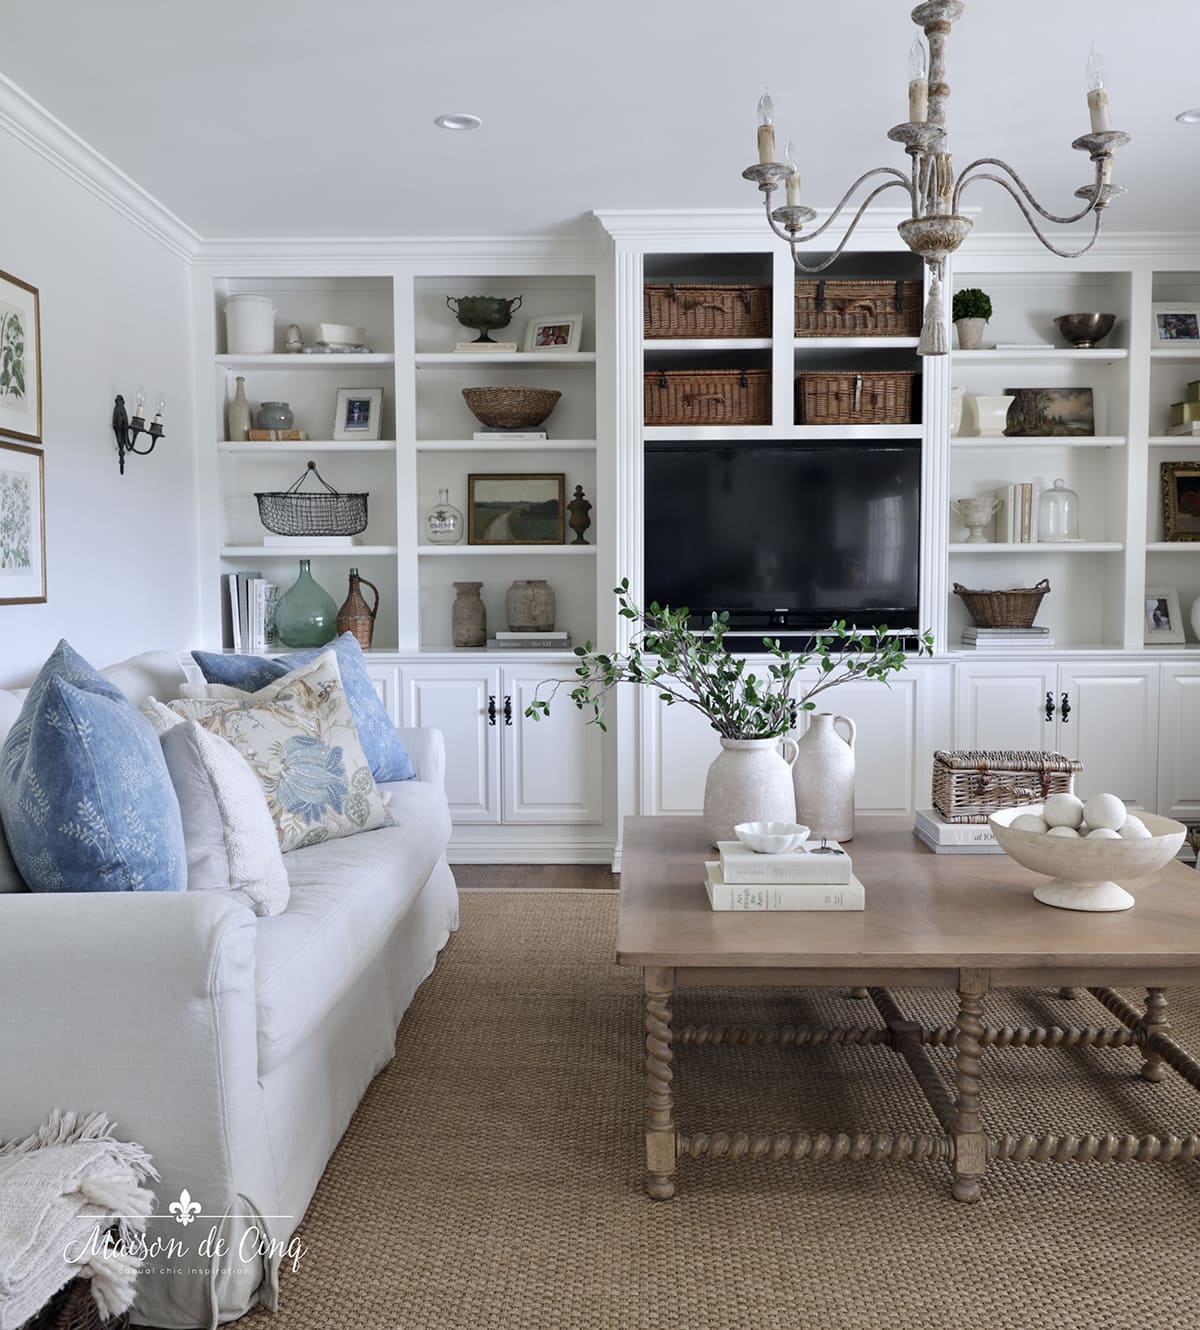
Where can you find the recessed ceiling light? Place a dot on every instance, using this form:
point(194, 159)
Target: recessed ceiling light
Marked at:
point(1191, 117)
point(458, 121)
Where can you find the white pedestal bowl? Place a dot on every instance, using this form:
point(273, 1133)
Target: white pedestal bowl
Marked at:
point(1081, 871)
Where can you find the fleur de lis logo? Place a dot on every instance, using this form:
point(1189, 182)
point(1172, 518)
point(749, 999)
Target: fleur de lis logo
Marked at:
point(185, 1209)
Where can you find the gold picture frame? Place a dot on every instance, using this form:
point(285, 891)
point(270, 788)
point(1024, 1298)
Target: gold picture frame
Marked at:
point(22, 525)
point(20, 360)
point(1181, 500)
point(511, 508)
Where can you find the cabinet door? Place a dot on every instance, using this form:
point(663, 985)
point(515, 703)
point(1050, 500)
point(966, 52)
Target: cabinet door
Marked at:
point(1179, 751)
point(678, 747)
point(461, 701)
point(1002, 705)
point(386, 679)
point(553, 767)
point(1111, 726)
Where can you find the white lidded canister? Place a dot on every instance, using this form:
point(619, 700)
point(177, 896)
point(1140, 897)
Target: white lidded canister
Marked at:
point(249, 325)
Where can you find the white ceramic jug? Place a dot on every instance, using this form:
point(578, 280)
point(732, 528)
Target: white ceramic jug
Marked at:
point(823, 773)
point(749, 781)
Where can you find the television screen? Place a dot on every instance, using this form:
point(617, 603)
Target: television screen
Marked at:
point(785, 535)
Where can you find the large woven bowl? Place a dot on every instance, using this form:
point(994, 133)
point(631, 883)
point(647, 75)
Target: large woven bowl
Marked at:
point(511, 407)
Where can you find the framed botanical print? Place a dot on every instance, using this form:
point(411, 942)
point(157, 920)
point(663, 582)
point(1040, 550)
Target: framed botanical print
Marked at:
point(22, 525)
point(20, 360)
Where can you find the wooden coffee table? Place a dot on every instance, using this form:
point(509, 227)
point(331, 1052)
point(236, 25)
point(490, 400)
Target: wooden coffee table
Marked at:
point(963, 922)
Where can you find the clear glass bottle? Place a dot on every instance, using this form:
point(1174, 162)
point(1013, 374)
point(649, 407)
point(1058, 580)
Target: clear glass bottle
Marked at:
point(1058, 514)
point(444, 523)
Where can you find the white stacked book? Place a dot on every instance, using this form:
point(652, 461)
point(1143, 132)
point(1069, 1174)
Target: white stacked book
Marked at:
point(549, 641)
point(944, 837)
point(252, 611)
point(808, 878)
point(317, 542)
point(980, 638)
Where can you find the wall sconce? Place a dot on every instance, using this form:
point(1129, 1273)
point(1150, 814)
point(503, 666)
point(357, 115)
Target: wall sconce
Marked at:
point(127, 430)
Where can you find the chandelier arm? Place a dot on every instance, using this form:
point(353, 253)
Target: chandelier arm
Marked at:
point(899, 178)
point(1097, 213)
point(866, 203)
point(965, 178)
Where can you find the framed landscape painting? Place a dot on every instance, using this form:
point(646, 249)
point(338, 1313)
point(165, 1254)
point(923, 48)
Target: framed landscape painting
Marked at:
point(22, 525)
point(516, 509)
point(20, 360)
point(1181, 500)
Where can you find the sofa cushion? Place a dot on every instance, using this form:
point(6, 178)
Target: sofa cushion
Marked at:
point(387, 755)
point(346, 897)
point(85, 797)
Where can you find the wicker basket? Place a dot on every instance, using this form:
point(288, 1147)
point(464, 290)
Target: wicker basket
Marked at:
point(290, 513)
point(706, 311)
point(971, 786)
point(707, 397)
point(511, 406)
point(74, 1308)
point(1003, 609)
point(858, 309)
point(872, 397)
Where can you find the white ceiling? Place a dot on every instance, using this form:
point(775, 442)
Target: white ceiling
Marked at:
point(309, 118)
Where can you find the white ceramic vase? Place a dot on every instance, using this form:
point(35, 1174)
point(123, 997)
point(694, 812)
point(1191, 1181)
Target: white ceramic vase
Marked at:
point(985, 417)
point(749, 781)
point(823, 774)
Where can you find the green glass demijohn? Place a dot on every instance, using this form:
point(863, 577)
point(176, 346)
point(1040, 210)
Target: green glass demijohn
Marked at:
point(305, 615)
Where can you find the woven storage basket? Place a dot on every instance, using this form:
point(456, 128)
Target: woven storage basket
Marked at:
point(1003, 609)
point(706, 311)
point(872, 397)
point(290, 513)
point(707, 397)
point(511, 406)
point(971, 786)
point(74, 1308)
point(858, 309)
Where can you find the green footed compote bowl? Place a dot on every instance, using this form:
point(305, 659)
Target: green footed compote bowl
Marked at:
point(484, 314)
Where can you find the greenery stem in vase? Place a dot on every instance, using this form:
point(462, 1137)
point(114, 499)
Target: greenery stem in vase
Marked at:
point(739, 698)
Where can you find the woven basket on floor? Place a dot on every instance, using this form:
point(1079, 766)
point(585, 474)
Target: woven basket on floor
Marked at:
point(971, 786)
point(674, 310)
point(707, 397)
point(870, 397)
point(1003, 609)
point(858, 309)
point(74, 1308)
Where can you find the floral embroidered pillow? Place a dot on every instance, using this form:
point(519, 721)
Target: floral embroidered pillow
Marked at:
point(299, 737)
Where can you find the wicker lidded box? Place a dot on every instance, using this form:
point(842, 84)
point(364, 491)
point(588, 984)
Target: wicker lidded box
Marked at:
point(707, 397)
point(969, 786)
point(858, 308)
point(852, 397)
point(680, 310)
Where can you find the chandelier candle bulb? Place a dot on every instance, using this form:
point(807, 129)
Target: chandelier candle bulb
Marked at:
point(1097, 93)
point(793, 177)
point(766, 129)
point(918, 83)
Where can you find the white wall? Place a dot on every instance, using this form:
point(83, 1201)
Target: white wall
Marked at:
point(121, 551)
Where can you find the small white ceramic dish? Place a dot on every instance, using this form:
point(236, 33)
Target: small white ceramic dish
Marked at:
point(341, 334)
point(771, 837)
point(1080, 869)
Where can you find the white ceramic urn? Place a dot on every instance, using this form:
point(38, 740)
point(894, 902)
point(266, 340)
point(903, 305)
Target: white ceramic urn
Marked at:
point(750, 780)
point(823, 773)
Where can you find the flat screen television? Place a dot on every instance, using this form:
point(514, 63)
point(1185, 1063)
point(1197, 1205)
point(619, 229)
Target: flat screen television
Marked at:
point(785, 536)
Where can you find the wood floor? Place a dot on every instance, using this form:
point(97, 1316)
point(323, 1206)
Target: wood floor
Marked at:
point(531, 877)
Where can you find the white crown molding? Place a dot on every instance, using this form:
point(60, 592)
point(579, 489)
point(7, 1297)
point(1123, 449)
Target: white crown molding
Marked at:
point(361, 252)
point(31, 124)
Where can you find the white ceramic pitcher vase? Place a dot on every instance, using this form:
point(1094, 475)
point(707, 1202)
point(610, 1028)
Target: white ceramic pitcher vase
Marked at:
point(824, 777)
point(749, 781)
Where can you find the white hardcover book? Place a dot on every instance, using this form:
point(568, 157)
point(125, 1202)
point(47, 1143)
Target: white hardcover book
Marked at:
point(782, 896)
point(235, 630)
point(520, 435)
point(938, 848)
point(931, 824)
point(486, 348)
point(1188, 427)
point(262, 634)
point(553, 634)
point(740, 866)
point(245, 601)
point(318, 542)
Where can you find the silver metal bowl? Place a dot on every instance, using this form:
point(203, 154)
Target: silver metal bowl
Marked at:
point(1084, 330)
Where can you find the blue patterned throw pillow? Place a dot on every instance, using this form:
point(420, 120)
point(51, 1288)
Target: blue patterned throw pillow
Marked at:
point(85, 796)
point(387, 756)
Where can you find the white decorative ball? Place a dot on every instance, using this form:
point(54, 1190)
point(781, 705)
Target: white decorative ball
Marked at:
point(1104, 833)
point(1064, 833)
point(1063, 810)
point(1028, 822)
point(1105, 810)
point(1134, 829)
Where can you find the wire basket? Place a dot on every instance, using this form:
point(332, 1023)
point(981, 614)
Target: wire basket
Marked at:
point(290, 513)
point(1003, 609)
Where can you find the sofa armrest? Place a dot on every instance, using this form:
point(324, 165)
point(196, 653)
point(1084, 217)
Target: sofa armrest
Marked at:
point(427, 748)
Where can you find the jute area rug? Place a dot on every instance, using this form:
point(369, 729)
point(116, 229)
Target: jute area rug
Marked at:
point(491, 1178)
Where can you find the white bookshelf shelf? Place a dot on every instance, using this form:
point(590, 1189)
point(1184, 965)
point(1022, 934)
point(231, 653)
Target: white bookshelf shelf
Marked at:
point(1043, 441)
point(491, 551)
point(855, 343)
point(306, 551)
point(781, 433)
point(500, 444)
point(1172, 547)
point(297, 446)
point(1043, 356)
point(684, 345)
point(1189, 352)
point(1175, 441)
point(464, 359)
point(1047, 547)
point(304, 363)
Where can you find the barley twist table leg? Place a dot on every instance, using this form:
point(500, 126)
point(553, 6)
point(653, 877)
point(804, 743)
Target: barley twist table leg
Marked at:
point(1070, 994)
point(660, 1119)
point(1154, 1022)
point(859, 993)
point(970, 1144)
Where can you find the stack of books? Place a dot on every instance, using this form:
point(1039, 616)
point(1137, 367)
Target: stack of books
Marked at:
point(486, 348)
point(251, 612)
point(986, 638)
point(552, 641)
point(492, 433)
point(808, 878)
point(1016, 514)
point(943, 837)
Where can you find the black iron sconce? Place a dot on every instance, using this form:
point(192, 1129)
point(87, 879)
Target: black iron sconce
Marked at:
point(128, 430)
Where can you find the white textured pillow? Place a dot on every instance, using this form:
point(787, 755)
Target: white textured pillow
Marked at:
point(228, 833)
point(160, 716)
point(299, 737)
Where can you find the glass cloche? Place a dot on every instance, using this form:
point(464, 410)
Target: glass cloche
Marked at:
point(444, 522)
point(1058, 514)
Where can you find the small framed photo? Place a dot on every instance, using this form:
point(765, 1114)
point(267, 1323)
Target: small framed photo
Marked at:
point(359, 414)
point(1181, 500)
point(20, 360)
point(22, 525)
point(554, 332)
point(516, 509)
point(1163, 621)
point(1175, 323)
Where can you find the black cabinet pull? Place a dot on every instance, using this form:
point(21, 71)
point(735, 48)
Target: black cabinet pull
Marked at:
point(507, 709)
point(1065, 709)
point(491, 708)
point(1050, 706)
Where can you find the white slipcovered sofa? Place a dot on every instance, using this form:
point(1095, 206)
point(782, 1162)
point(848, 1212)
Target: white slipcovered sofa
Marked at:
point(234, 1048)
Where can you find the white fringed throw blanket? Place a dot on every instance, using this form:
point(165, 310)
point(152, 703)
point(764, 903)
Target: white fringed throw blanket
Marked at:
point(61, 1190)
